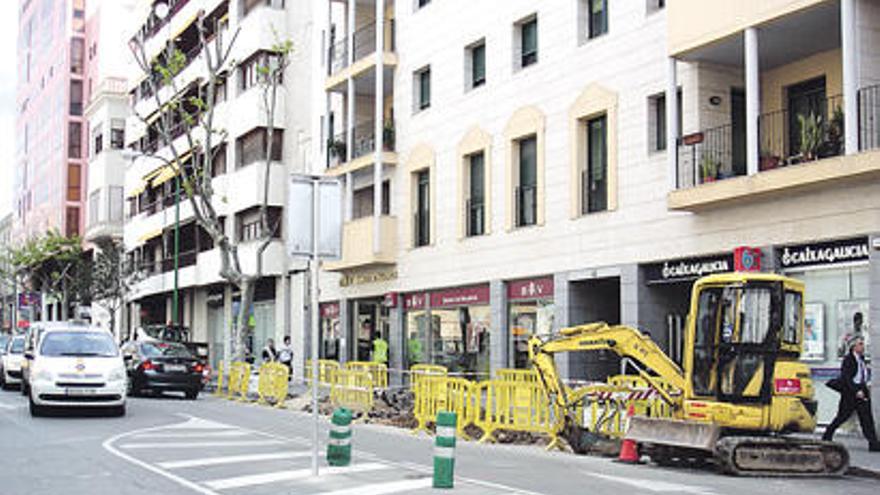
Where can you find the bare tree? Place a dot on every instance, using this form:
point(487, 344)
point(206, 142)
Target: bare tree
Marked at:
point(112, 277)
point(190, 120)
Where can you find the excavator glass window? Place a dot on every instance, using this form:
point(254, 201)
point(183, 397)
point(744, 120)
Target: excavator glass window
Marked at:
point(792, 320)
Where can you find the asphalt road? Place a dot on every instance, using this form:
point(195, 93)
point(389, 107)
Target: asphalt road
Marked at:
point(213, 446)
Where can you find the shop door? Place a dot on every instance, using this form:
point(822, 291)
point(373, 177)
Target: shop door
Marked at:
point(365, 329)
point(216, 334)
point(263, 326)
point(805, 99)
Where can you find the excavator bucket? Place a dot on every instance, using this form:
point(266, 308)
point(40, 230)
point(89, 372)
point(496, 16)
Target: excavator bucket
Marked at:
point(673, 432)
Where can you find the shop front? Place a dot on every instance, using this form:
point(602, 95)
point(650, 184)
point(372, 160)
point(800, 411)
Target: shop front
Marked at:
point(664, 298)
point(530, 312)
point(836, 275)
point(451, 328)
point(370, 322)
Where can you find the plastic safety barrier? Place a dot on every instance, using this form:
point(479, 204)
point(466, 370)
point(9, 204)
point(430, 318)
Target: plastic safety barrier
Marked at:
point(326, 372)
point(517, 406)
point(517, 375)
point(273, 384)
point(433, 394)
point(352, 389)
point(378, 371)
point(418, 371)
point(239, 380)
point(220, 382)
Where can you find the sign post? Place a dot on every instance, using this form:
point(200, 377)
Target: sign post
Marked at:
point(314, 220)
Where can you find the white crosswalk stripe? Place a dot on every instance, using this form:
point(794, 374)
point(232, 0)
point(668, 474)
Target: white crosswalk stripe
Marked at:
point(198, 445)
point(297, 474)
point(231, 459)
point(384, 488)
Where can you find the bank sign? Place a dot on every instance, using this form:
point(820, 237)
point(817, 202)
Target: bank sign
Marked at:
point(687, 269)
point(824, 253)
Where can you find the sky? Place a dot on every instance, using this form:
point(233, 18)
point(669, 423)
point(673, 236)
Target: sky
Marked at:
point(8, 35)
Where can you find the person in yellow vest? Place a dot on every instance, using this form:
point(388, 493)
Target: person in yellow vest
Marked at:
point(380, 350)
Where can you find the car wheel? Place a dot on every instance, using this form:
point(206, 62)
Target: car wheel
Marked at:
point(192, 394)
point(36, 410)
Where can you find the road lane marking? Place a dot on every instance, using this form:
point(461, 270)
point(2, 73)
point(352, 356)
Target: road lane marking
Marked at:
point(296, 474)
point(383, 488)
point(192, 445)
point(655, 485)
point(231, 459)
point(10, 406)
point(194, 434)
point(195, 423)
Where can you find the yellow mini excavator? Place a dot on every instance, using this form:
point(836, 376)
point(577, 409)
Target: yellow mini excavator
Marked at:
point(741, 391)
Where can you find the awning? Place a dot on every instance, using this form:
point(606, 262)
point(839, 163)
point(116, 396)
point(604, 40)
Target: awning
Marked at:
point(153, 174)
point(185, 26)
point(137, 190)
point(169, 171)
point(150, 235)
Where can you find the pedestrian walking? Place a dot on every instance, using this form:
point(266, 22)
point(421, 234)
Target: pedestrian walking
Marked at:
point(269, 353)
point(285, 356)
point(854, 394)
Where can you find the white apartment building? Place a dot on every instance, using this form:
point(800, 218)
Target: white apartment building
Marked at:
point(549, 163)
point(207, 304)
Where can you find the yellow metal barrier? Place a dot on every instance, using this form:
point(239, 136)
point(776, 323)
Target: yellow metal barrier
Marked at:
point(326, 372)
point(239, 380)
point(515, 375)
point(429, 398)
point(272, 384)
point(419, 371)
point(219, 390)
point(517, 406)
point(352, 389)
point(463, 398)
point(378, 371)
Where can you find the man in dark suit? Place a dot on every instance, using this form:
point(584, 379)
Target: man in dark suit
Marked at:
point(854, 396)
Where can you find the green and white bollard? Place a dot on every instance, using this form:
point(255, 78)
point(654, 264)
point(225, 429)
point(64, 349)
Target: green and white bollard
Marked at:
point(339, 445)
point(444, 450)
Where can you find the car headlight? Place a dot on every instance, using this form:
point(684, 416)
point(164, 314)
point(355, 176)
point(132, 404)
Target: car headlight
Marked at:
point(116, 375)
point(43, 375)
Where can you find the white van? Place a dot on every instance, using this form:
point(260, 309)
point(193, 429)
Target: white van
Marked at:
point(76, 366)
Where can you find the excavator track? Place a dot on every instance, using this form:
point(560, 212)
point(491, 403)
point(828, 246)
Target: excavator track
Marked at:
point(773, 456)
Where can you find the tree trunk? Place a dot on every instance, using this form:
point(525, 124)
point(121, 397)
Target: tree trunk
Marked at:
point(242, 330)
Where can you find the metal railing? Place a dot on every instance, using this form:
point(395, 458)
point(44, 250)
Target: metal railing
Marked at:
point(475, 217)
point(869, 118)
point(365, 138)
point(526, 205)
point(337, 149)
point(706, 156)
point(788, 138)
point(364, 45)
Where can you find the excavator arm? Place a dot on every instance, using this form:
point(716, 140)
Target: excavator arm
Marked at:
point(623, 340)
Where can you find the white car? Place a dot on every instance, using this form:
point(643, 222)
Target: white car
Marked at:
point(11, 362)
point(76, 366)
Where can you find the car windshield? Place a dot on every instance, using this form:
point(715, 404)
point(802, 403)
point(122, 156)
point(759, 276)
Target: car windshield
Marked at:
point(17, 345)
point(165, 349)
point(97, 344)
point(4, 339)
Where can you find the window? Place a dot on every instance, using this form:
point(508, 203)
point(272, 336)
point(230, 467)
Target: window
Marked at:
point(422, 78)
point(528, 41)
point(422, 3)
point(249, 225)
point(527, 189)
point(362, 201)
point(218, 161)
point(598, 18)
point(657, 121)
point(422, 220)
point(595, 178)
point(117, 134)
point(476, 214)
point(97, 139)
point(475, 65)
point(76, 98)
point(94, 205)
point(74, 140)
point(74, 182)
point(72, 221)
point(77, 47)
point(246, 6)
point(249, 71)
point(116, 202)
point(251, 147)
point(655, 5)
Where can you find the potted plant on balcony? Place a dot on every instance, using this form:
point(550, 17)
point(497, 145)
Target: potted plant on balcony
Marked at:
point(811, 135)
point(337, 149)
point(708, 168)
point(833, 144)
point(769, 161)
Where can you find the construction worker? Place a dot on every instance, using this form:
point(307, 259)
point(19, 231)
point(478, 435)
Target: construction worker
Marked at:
point(380, 350)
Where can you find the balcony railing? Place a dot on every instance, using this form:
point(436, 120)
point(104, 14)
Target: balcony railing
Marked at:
point(364, 45)
point(526, 205)
point(869, 118)
point(364, 138)
point(785, 138)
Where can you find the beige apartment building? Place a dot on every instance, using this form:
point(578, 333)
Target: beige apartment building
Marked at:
point(514, 167)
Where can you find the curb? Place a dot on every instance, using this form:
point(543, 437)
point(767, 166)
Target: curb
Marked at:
point(861, 472)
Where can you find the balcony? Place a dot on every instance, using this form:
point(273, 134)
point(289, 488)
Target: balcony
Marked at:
point(798, 150)
point(338, 68)
point(364, 145)
point(357, 244)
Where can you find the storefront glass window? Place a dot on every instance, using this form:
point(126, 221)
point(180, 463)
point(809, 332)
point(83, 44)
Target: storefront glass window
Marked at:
point(416, 336)
point(459, 339)
point(528, 318)
point(330, 332)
